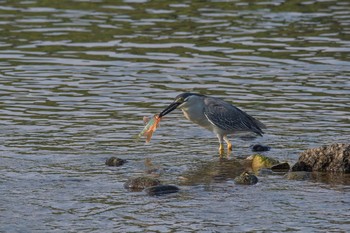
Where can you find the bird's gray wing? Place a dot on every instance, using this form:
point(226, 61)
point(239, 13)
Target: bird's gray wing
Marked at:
point(228, 117)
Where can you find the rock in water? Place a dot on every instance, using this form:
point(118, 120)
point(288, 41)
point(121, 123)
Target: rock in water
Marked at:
point(140, 183)
point(332, 158)
point(282, 167)
point(113, 161)
point(259, 148)
point(161, 190)
point(261, 161)
point(246, 178)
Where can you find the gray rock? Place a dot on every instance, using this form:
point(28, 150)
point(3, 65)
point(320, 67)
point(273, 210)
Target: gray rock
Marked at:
point(332, 158)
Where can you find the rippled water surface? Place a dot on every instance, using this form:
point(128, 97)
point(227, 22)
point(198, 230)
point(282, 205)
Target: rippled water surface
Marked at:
point(76, 78)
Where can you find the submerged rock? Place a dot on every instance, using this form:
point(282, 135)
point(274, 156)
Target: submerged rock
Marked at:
point(113, 161)
point(332, 158)
point(299, 175)
point(246, 178)
point(140, 183)
point(265, 172)
point(261, 161)
point(161, 190)
point(259, 148)
point(207, 172)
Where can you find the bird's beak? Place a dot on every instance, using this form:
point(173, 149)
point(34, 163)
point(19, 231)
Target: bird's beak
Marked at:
point(169, 109)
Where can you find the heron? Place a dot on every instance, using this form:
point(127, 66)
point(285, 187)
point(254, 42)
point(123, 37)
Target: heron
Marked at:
point(215, 115)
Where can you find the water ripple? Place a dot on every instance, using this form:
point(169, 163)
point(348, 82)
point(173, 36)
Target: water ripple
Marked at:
point(76, 78)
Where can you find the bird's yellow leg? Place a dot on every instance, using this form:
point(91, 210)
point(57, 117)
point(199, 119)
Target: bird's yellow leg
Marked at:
point(221, 149)
point(229, 144)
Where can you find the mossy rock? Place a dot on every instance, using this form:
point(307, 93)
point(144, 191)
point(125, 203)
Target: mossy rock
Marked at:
point(116, 162)
point(246, 178)
point(261, 161)
point(140, 183)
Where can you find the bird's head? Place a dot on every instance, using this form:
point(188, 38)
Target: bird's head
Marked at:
point(179, 101)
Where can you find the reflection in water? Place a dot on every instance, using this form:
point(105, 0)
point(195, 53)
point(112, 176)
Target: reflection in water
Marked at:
point(76, 78)
point(221, 170)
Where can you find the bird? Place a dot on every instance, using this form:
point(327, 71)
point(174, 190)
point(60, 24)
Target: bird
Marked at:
point(216, 115)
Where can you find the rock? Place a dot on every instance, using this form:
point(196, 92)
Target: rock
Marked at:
point(259, 148)
point(332, 158)
point(260, 161)
point(140, 183)
point(161, 190)
point(113, 161)
point(282, 167)
point(299, 175)
point(246, 178)
point(301, 166)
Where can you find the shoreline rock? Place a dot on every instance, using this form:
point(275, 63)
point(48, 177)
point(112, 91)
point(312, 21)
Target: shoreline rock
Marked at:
point(331, 158)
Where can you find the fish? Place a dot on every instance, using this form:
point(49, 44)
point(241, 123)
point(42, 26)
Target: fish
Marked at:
point(151, 126)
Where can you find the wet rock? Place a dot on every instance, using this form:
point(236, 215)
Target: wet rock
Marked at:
point(139, 183)
point(299, 175)
point(246, 178)
point(261, 161)
point(331, 158)
point(113, 161)
point(282, 167)
point(301, 166)
point(161, 190)
point(259, 148)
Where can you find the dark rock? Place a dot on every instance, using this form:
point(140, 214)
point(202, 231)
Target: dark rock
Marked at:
point(161, 190)
point(332, 158)
point(259, 148)
point(301, 166)
point(113, 161)
point(282, 167)
point(246, 178)
point(140, 183)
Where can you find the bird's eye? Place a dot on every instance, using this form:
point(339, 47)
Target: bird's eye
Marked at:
point(180, 100)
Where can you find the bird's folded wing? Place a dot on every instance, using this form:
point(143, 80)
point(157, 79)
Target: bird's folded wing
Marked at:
point(228, 117)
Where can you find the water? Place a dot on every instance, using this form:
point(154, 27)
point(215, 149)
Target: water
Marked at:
point(76, 78)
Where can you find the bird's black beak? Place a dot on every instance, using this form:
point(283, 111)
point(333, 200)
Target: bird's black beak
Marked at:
point(169, 109)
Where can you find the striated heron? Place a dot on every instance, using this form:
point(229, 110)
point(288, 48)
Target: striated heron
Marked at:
point(216, 115)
